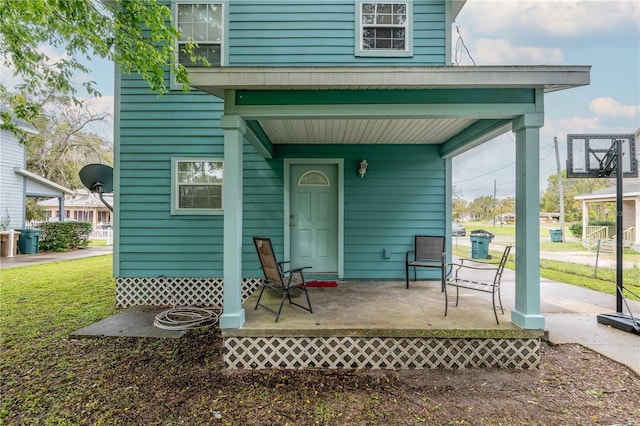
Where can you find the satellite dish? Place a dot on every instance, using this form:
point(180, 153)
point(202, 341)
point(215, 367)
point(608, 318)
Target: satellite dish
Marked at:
point(98, 178)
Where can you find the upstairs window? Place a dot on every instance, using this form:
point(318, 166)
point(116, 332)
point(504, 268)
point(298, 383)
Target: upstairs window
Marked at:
point(202, 23)
point(384, 29)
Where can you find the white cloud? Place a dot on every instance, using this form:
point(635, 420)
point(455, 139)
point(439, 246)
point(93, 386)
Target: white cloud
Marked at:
point(501, 52)
point(562, 126)
point(553, 22)
point(103, 104)
point(611, 108)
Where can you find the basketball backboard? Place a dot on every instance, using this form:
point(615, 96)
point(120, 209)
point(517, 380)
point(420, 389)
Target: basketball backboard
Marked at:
point(596, 155)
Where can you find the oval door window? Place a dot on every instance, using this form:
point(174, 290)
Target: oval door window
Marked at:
point(313, 178)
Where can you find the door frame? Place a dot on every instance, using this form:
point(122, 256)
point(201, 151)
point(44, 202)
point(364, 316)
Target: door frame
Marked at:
point(339, 162)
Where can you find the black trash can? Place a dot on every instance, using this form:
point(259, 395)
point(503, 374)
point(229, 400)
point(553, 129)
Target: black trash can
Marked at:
point(29, 240)
point(480, 240)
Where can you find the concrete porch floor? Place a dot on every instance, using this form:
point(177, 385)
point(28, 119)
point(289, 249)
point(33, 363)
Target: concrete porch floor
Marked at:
point(381, 308)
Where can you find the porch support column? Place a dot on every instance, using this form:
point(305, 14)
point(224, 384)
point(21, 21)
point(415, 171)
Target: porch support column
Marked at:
point(526, 313)
point(234, 130)
point(448, 208)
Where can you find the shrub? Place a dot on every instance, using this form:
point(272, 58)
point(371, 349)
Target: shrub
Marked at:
point(601, 223)
point(576, 229)
point(64, 236)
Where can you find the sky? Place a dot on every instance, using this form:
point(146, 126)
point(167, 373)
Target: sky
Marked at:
point(604, 34)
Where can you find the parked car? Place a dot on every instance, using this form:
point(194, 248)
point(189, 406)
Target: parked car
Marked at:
point(458, 230)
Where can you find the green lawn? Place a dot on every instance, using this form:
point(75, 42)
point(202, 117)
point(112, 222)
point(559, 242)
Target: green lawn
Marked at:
point(55, 298)
point(578, 275)
point(510, 230)
point(50, 378)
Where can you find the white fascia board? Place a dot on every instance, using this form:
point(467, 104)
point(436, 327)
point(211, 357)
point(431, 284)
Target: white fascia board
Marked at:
point(549, 78)
point(606, 197)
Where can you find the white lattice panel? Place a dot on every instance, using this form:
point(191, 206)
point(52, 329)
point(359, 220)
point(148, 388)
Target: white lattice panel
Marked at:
point(378, 352)
point(154, 291)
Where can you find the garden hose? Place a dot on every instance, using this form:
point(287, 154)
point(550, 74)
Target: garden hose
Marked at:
point(185, 318)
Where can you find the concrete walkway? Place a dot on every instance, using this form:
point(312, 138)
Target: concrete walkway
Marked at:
point(38, 258)
point(570, 312)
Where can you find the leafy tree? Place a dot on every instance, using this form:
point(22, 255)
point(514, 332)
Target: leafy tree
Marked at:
point(137, 35)
point(482, 208)
point(34, 211)
point(571, 187)
point(506, 205)
point(459, 205)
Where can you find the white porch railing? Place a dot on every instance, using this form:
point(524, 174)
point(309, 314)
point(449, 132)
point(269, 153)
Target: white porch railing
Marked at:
point(629, 235)
point(596, 233)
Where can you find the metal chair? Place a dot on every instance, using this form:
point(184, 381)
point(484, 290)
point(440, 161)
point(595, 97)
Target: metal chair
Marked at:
point(277, 279)
point(428, 252)
point(470, 277)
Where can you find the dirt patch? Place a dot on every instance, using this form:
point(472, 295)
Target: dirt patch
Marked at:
point(181, 381)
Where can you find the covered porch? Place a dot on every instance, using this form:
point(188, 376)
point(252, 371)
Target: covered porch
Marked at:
point(381, 324)
point(452, 108)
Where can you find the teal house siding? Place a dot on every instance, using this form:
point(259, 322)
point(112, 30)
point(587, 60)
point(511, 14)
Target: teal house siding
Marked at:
point(402, 194)
point(305, 33)
point(299, 90)
point(382, 212)
point(153, 130)
point(263, 207)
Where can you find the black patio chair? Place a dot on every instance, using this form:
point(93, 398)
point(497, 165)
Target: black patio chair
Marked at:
point(428, 252)
point(471, 278)
point(277, 279)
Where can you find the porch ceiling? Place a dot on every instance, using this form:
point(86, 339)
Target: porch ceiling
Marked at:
point(370, 131)
point(406, 122)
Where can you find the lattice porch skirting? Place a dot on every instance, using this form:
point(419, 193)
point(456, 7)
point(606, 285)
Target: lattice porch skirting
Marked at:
point(380, 352)
point(154, 291)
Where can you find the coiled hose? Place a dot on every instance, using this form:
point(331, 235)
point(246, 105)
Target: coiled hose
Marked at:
point(186, 318)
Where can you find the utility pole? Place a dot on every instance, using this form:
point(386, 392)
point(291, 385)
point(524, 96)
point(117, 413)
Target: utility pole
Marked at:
point(560, 191)
point(494, 203)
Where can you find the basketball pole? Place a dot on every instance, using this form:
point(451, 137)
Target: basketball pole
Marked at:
point(586, 158)
point(619, 227)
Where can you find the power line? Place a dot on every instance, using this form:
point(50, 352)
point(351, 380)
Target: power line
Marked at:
point(485, 174)
point(458, 51)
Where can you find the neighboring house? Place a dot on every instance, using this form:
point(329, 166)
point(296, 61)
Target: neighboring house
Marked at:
point(630, 206)
point(271, 140)
point(83, 206)
point(16, 183)
point(630, 209)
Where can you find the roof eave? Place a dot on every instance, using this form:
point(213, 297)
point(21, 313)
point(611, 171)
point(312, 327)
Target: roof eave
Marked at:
point(550, 78)
point(43, 181)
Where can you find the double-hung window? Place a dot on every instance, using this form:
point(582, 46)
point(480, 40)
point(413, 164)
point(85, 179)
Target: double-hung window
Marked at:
point(384, 29)
point(202, 23)
point(197, 185)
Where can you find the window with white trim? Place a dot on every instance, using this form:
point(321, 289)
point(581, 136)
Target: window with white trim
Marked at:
point(384, 29)
point(197, 185)
point(200, 22)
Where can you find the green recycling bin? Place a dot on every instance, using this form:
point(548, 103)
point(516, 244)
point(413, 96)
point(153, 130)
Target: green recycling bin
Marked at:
point(29, 240)
point(480, 240)
point(556, 235)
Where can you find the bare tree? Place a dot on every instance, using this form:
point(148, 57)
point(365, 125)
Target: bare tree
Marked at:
point(67, 140)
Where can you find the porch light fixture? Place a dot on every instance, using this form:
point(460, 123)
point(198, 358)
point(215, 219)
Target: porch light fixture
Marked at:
point(363, 168)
